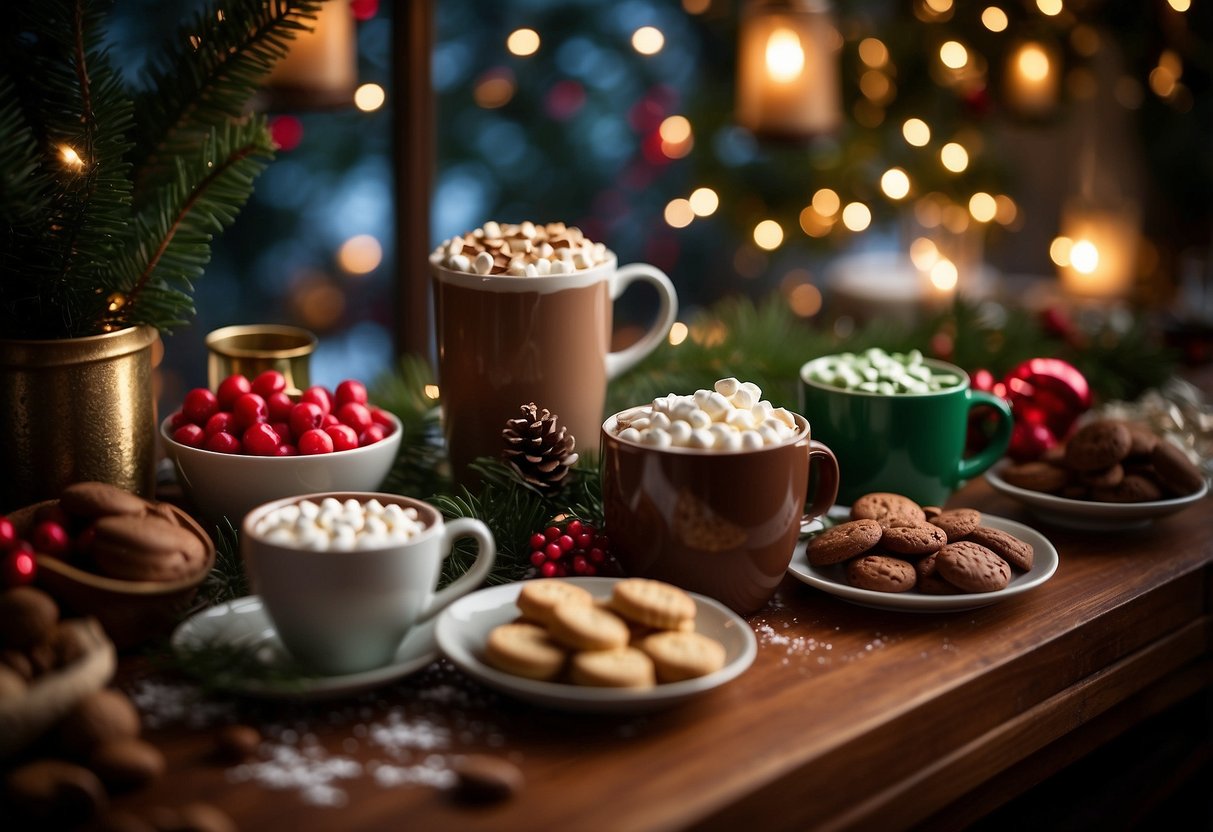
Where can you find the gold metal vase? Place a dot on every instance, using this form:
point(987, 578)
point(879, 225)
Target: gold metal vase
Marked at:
point(76, 409)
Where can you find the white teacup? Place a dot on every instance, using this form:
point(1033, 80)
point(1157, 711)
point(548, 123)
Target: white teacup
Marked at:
point(340, 612)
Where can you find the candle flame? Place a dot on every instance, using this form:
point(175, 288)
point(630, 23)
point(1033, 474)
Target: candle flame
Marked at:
point(785, 56)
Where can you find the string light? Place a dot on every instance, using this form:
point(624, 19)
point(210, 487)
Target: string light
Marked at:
point(983, 206)
point(648, 40)
point(954, 157)
point(678, 333)
point(1180, 6)
point(677, 138)
point(768, 235)
point(369, 97)
point(805, 300)
point(895, 183)
point(1049, 8)
point(916, 132)
point(523, 42)
point(873, 53)
point(994, 19)
point(813, 223)
point(856, 216)
point(494, 89)
point(1059, 251)
point(953, 54)
point(704, 202)
point(431, 391)
point(679, 213)
point(1006, 211)
point(70, 157)
point(826, 202)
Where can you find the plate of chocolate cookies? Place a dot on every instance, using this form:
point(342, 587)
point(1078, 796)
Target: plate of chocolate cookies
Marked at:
point(886, 551)
point(1109, 475)
point(600, 645)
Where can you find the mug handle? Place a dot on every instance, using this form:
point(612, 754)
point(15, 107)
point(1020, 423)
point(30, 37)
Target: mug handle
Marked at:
point(827, 482)
point(486, 553)
point(974, 465)
point(625, 359)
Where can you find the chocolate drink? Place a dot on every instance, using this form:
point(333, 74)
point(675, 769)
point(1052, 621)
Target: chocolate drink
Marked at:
point(507, 342)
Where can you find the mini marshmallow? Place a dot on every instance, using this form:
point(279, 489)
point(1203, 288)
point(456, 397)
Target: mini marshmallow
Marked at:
point(659, 420)
point(698, 419)
point(680, 433)
point(631, 434)
point(492, 230)
point(656, 437)
point(751, 440)
point(454, 246)
point(483, 264)
point(701, 439)
point(742, 399)
point(460, 263)
point(561, 267)
point(727, 386)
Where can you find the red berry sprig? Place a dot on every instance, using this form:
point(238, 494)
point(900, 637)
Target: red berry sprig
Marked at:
point(258, 418)
point(574, 548)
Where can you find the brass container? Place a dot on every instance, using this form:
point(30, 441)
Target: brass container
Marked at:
point(251, 350)
point(77, 409)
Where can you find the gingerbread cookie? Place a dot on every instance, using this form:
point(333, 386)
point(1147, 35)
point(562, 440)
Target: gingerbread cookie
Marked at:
point(145, 548)
point(957, 522)
point(652, 603)
point(1175, 471)
point(677, 656)
point(1037, 476)
point(1099, 444)
point(884, 507)
point(842, 542)
point(972, 567)
point(524, 650)
point(622, 667)
point(881, 573)
point(1104, 478)
point(1014, 551)
point(913, 539)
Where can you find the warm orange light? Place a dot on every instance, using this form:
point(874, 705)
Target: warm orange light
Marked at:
point(369, 97)
point(678, 213)
point(648, 40)
point(523, 42)
point(768, 235)
point(360, 254)
point(784, 56)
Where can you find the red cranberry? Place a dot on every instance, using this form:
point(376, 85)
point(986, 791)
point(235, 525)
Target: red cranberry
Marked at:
point(574, 528)
point(268, 383)
point(287, 449)
point(261, 440)
point(371, 435)
point(232, 388)
point(538, 559)
point(222, 422)
point(283, 429)
point(19, 565)
point(548, 570)
point(344, 437)
point(315, 441)
point(553, 551)
point(8, 533)
point(248, 411)
point(191, 435)
point(223, 443)
point(51, 538)
point(199, 405)
point(178, 419)
point(538, 541)
point(355, 414)
point(279, 406)
point(381, 418)
point(552, 532)
point(351, 390)
point(305, 416)
point(319, 396)
point(330, 420)
point(565, 542)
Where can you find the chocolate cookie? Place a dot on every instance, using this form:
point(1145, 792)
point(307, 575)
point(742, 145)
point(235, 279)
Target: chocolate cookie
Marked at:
point(882, 507)
point(99, 499)
point(1037, 476)
point(934, 584)
point(1105, 478)
point(1097, 445)
point(1175, 471)
point(145, 548)
point(1010, 548)
point(843, 542)
point(957, 522)
point(881, 573)
point(972, 567)
point(1132, 489)
point(1143, 440)
point(913, 539)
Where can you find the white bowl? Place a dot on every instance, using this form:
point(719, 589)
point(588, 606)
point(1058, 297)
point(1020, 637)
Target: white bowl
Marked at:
point(230, 485)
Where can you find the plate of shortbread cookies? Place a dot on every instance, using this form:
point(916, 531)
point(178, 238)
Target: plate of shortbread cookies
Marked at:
point(888, 552)
point(596, 644)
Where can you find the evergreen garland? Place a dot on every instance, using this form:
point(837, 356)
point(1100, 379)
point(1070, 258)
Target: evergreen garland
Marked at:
point(113, 195)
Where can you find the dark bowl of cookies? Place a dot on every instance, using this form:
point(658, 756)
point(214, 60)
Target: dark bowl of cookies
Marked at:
point(133, 564)
point(1110, 474)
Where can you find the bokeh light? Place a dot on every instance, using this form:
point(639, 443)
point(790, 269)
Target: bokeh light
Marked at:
point(826, 202)
point(678, 333)
point(1050, 8)
point(360, 254)
point(953, 54)
point(784, 55)
point(916, 132)
point(1059, 250)
point(369, 97)
point(856, 216)
point(994, 19)
point(679, 213)
point(954, 157)
point(704, 202)
point(648, 40)
point(895, 183)
point(523, 42)
point(805, 300)
point(1084, 257)
point(494, 89)
point(768, 235)
point(983, 206)
point(873, 52)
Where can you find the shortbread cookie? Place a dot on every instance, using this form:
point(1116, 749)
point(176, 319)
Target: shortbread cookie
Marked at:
point(843, 542)
point(972, 567)
point(587, 627)
point(913, 539)
point(100, 499)
point(678, 656)
point(524, 650)
point(881, 573)
point(1097, 445)
point(882, 507)
point(539, 597)
point(652, 603)
point(1175, 471)
point(1018, 553)
point(622, 667)
point(1037, 476)
point(957, 522)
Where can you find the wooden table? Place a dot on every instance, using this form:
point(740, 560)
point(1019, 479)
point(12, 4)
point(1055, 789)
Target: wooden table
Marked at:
point(849, 717)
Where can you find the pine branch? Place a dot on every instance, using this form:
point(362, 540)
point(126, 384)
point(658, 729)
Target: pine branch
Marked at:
point(23, 188)
point(205, 77)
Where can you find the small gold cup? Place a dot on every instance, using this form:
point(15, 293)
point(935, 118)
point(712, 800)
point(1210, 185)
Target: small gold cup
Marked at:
point(252, 349)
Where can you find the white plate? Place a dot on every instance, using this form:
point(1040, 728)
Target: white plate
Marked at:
point(244, 623)
point(832, 579)
point(463, 630)
point(1087, 514)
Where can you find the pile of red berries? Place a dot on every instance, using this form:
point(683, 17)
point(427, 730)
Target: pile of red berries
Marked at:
point(260, 419)
point(17, 564)
point(572, 549)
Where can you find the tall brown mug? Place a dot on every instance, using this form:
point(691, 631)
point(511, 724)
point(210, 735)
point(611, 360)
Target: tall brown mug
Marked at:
point(505, 341)
point(720, 523)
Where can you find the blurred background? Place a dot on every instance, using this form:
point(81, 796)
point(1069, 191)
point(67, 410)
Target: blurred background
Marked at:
point(854, 159)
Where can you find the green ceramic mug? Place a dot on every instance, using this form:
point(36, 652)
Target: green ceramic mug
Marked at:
point(906, 443)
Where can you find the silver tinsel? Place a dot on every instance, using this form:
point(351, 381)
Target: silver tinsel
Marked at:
point(1178, 411)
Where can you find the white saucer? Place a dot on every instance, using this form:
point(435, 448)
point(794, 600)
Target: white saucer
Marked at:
point(1089, 515)
point(832, 579)
point(463, 629)
point(244, 622)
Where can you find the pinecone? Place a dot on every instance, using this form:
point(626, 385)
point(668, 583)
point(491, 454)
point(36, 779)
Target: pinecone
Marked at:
point(538, 447)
